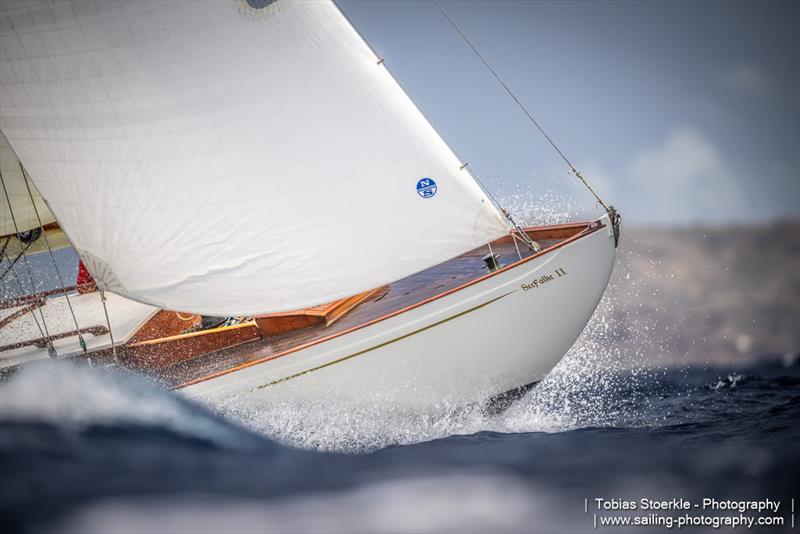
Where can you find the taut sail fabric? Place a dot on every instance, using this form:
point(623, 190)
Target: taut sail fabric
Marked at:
point(24, 214)
point(230, 158)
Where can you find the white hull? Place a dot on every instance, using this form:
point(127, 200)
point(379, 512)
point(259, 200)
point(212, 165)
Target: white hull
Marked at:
point(484, 339)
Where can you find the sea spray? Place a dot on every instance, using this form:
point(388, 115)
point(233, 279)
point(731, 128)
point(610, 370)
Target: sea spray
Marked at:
point(533, 201)
point(136, 470)
point(591, 387)
point(598, 383)
point(77, 397)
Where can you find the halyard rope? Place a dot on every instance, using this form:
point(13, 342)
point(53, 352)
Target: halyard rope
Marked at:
point(575, 171)
point(108, 322)
point(465, 166)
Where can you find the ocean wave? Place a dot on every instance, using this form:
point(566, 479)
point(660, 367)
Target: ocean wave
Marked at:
point(597, 384)
point(78, 397)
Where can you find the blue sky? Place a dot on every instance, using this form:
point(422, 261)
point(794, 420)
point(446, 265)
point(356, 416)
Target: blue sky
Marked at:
point(678, 112)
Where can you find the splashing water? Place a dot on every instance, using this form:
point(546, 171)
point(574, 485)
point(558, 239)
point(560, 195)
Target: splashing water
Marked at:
point(79, 397)
point(535, 202)
point(101, 450)
point(94, 450)
point(597, 384)
point(589, 388)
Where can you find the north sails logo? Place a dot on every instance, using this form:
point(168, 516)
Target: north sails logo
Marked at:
point(426, 187)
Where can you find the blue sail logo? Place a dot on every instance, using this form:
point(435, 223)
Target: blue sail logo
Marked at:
point(426, 187)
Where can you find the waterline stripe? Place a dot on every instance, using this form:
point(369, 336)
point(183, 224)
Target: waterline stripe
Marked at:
point(359, 353)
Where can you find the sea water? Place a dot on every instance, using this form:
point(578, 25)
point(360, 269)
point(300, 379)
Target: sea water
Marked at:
point(101, 451)
point(88, 450)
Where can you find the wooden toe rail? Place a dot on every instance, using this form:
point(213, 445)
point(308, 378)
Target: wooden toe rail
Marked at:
point(42, 342)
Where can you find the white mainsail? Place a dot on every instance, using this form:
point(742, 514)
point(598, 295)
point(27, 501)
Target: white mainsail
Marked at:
point(230, 158)
point(23, 209)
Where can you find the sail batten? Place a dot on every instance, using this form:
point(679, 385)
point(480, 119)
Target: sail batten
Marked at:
point(227, 160)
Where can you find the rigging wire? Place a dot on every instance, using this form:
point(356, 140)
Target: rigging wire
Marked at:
point(15, 260)
point(465, 166)
point(5, 246)
point(514, 238)
point(50, 348)
point(108, 323)
point(45, 332)
point(575, 171)
point(53, 258)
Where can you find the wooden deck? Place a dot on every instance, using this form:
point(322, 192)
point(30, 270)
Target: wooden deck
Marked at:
point(186, 358)
point(397, 296)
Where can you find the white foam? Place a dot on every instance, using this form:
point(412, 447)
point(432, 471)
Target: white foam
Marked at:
point(64, 394)
point(582, 391)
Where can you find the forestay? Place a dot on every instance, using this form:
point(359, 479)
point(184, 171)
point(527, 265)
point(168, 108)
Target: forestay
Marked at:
point(24, 214)
point(230, 158)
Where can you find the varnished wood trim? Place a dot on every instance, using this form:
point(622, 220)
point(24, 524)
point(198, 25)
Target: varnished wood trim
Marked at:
point(19, 313)
point(276, 325)
point(168, 351)
point(588, 229)
point(162, 325)
point(42, 342)
point(337, 307)
point(347, 305)
point(36, 297)
point(552, 231)
point(194, 334)
point(279, 323)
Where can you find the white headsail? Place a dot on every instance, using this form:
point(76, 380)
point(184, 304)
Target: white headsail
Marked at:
point(23, 209)
point(230, 158)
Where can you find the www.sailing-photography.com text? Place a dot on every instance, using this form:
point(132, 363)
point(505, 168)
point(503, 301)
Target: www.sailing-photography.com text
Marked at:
point(680, 512)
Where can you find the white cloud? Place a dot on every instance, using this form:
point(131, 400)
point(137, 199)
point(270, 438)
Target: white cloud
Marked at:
point(683, 158)
point(682, 179)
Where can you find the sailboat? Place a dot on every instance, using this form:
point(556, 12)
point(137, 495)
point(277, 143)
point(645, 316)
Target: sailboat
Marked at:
point(262, 207)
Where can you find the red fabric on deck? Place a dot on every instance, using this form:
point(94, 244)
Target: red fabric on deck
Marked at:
point(84, 278)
